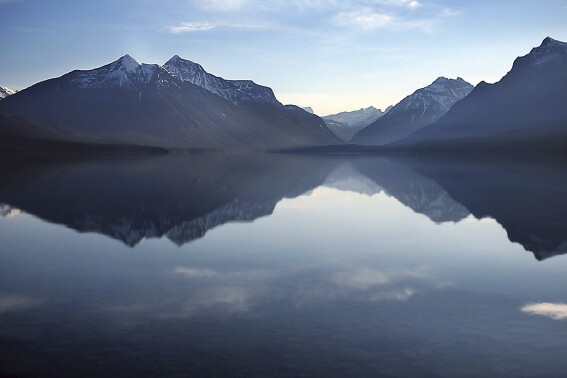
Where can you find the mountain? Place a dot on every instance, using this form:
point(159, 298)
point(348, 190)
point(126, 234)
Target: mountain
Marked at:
point(308, 109)
point(257, 92)
point(194, 73)
point(235, 91)
point(524, 110)
point(5, 92)
point(346, 124)
point(145, 104)
point(423, 107)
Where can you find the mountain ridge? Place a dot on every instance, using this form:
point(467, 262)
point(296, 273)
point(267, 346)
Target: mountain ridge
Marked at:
point(421, 108)
point(144, 104)
point(346, 124)
point(523, 110)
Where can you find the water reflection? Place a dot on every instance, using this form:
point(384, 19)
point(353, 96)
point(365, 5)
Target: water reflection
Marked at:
point(556, 311)
point(136, 199)
point(181, 198)
point(365, 267)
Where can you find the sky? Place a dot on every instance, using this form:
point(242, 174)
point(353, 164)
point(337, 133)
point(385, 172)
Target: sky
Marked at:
point(328, 54)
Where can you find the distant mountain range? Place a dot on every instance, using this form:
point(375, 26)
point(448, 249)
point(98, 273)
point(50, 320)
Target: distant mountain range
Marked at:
point(180, 106)
point(346, 124)
point(414, 112)
point(177, 106)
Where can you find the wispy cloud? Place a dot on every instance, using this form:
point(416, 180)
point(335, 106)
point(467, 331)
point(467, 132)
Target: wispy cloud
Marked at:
point(264, 6)
point(556, 311)
point(363, 15)
point(222, 5)
point(411, 4)
point(364, 18)
point(388, 17)
point(186, 27)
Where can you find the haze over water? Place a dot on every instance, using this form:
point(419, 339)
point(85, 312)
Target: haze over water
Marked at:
point(282, 266)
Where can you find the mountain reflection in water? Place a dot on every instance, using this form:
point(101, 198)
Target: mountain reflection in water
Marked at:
point(182, 197)
point(281, 265)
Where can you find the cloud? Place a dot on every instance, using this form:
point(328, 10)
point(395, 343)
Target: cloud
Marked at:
point(222, 5)
point(365, 15)
point(414, 4)
point(556, 311)
point(227, 6)
point(364, 18)
point(369, 19)
point(448, 12)
point(186, 27)
point(411, 4)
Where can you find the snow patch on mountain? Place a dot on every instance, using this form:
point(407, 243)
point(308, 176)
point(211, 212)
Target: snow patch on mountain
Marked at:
point(346, 124)
point(125, 72)
point(421, 108)
point(442, 94)
point(5, 92)
point(235, 91)
point(357, 118)
point(194, 73)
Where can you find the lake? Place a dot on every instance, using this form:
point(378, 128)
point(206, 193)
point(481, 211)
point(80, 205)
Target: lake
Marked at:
point(282, 265)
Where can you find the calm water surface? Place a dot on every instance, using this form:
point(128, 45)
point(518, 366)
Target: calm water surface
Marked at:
point(244, 266)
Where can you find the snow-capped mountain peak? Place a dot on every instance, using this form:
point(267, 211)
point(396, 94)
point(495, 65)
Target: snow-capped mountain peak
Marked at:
point(185, 69)
point(357, 118)
point(442, 93)
point(421, 108)
point(194, 73)
point(346, 124)
point(235, 91)
point(125, 72)
point(127, 63)
point(5, 92)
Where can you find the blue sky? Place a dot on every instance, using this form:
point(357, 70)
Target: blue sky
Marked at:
point(329, 54)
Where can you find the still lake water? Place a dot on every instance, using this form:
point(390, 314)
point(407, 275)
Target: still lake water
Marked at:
point(244, 266)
